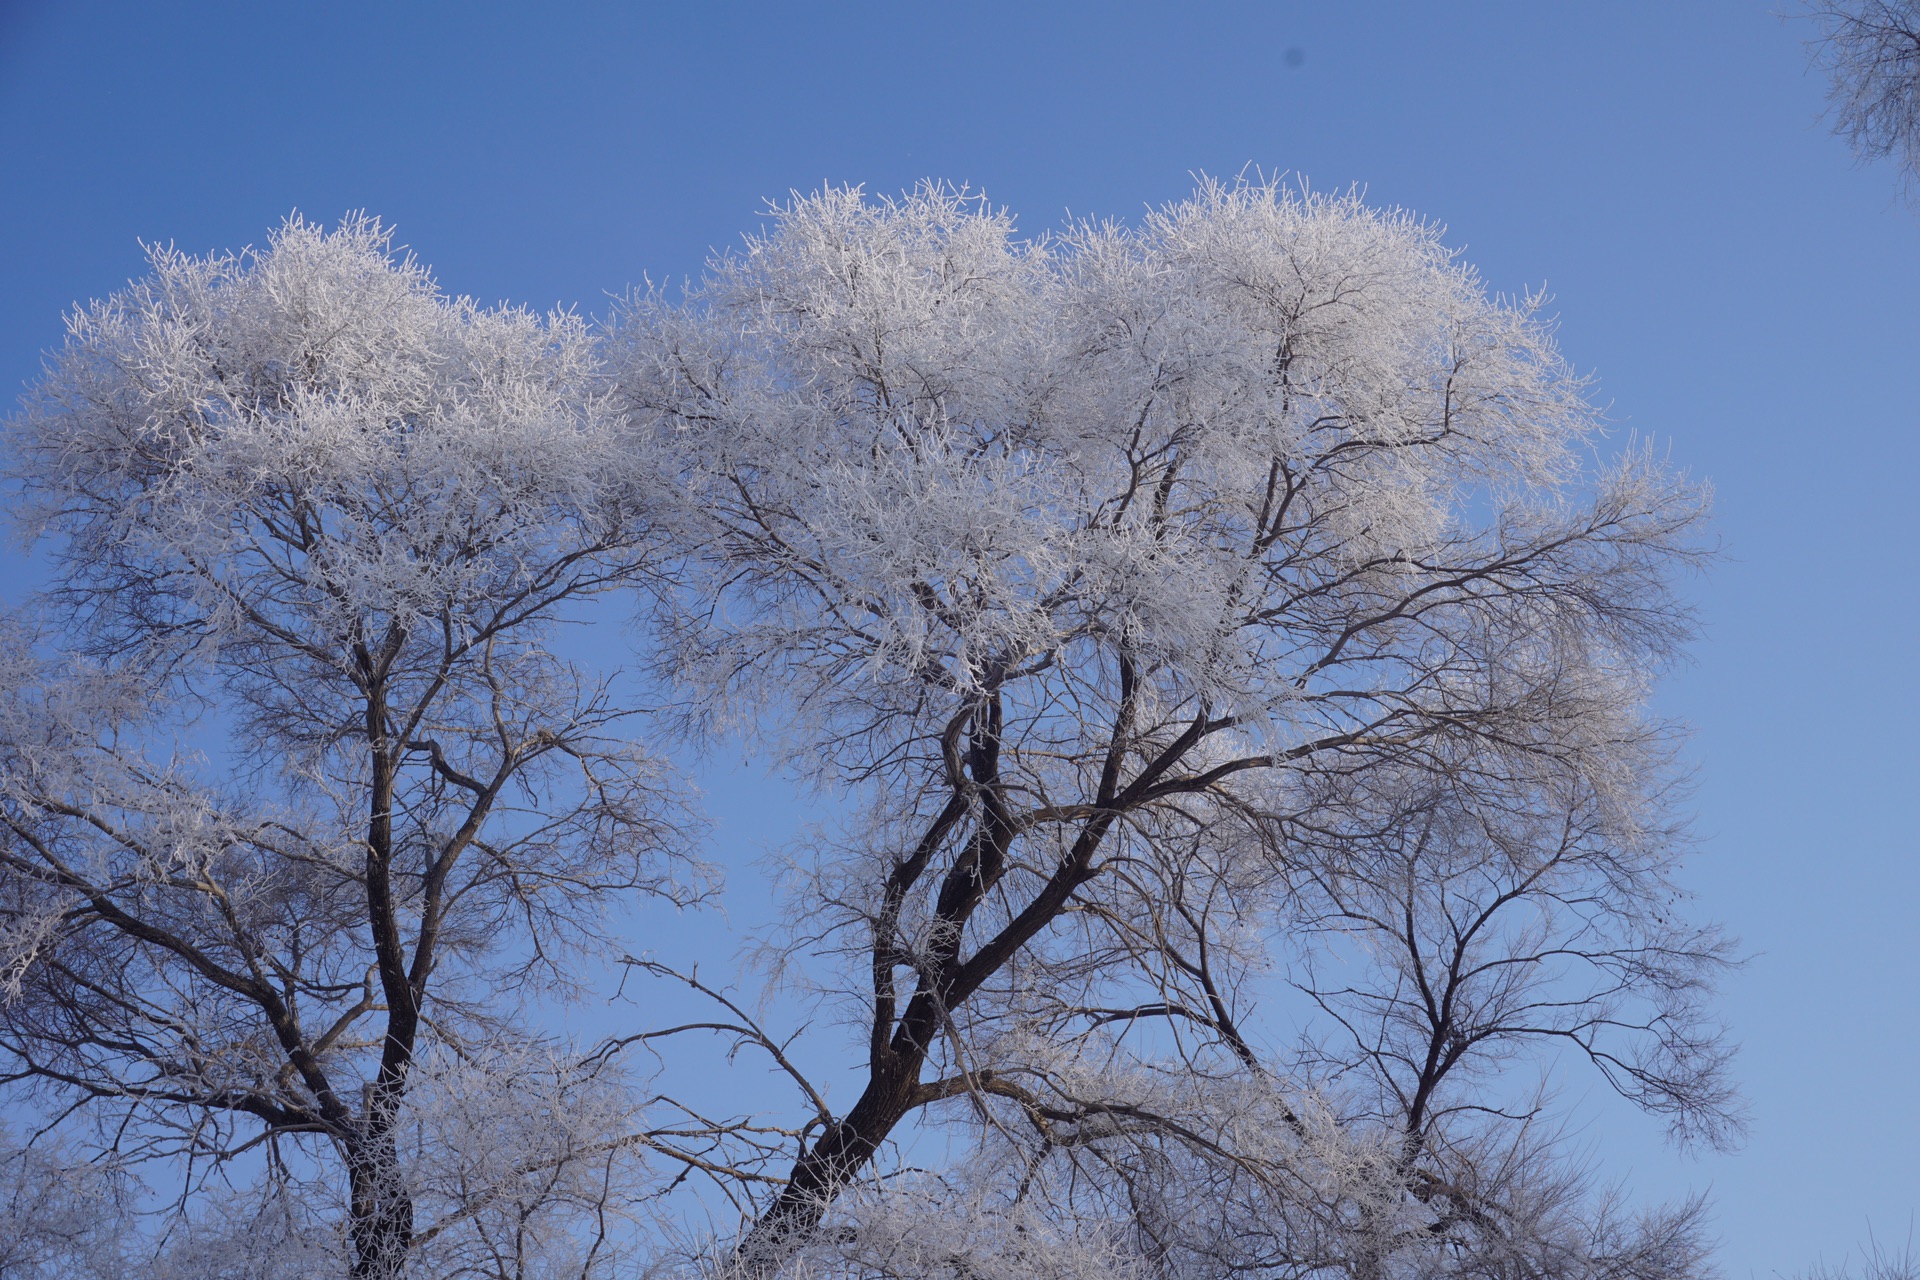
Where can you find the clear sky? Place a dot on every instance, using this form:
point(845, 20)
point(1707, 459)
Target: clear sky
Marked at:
point(1741, 290)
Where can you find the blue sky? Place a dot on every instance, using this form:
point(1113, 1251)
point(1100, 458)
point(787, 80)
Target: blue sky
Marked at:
point(1741, 290)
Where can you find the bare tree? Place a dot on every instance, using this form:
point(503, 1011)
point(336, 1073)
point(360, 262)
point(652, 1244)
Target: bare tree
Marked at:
point(321, 520)
point(1871, 49)
point(1156, 594)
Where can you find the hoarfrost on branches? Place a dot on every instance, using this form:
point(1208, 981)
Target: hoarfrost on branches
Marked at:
point(60, 1215)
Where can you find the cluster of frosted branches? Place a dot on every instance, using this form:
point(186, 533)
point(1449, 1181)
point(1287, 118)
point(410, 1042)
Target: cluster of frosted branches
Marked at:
point(1871, 50)
point(60, 1214)
point(1192, 621)
point(1876, 1262)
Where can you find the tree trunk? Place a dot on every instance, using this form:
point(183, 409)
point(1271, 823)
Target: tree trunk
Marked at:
point(381, 1209)
point(836, 1156)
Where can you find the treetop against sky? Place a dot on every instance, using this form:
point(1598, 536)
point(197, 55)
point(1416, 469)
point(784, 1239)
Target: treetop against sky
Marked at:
point(1224, 814)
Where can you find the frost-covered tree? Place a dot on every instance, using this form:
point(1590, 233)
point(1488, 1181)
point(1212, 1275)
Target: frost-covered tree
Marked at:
point(297, 798)
point(1871, 51)
point(1188, 611)
point(1227, 647)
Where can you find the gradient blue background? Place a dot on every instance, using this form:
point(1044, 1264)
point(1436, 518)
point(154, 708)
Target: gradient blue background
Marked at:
point(1743, 291)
